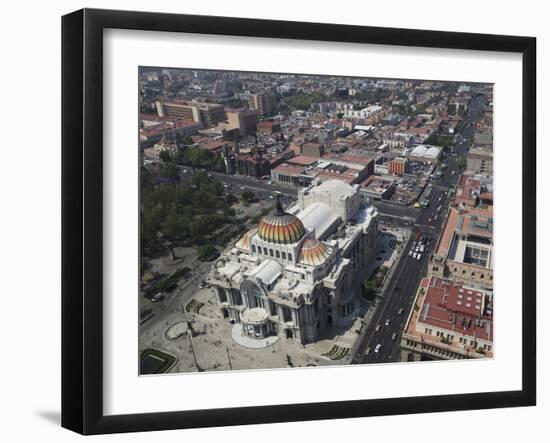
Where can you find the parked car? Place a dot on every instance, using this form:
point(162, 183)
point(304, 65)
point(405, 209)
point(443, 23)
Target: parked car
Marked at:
point(377, 348)
point(400, 311)
point(157, 297)
point(378, 327)
point(394, 336)
point(388, 321)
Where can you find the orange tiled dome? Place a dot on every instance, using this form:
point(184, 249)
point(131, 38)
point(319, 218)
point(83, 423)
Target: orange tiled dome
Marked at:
point(281, 227)
point(313, 252)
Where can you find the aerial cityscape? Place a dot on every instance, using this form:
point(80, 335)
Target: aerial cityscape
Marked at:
point(304, 220)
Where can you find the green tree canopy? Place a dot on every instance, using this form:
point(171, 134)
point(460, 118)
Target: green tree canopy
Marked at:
point(165, 156)
point(207, 252)
point(248, 196)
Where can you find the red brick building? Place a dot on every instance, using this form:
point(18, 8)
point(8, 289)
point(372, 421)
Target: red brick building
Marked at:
point(397, 166)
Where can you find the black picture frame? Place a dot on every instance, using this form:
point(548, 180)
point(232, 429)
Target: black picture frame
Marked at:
point(82, 216)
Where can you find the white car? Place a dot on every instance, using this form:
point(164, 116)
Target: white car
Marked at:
point(377, 348)
point(410, 252)
point(414, 255)
point(419, 256)
point(157, 297)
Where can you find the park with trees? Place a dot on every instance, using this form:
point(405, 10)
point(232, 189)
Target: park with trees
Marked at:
point(181, 213)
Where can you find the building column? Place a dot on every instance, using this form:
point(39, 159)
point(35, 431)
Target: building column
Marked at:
point(280, 313)
point(219, 294)
point(228, 296)
point(294, 314)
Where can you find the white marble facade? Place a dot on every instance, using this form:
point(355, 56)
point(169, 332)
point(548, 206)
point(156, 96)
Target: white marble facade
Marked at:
point(296, 273)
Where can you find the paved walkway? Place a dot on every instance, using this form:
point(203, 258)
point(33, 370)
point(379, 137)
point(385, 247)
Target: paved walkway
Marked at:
point(251, 343)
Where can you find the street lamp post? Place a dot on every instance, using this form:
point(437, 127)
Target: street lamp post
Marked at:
point(199, 369)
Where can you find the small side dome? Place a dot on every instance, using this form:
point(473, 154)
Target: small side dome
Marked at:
point(313, 252)
point(244, 242)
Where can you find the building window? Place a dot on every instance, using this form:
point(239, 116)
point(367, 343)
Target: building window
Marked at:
point(284, 255)
point(271, 252)
point(287, 316)
point(253, 302)
point(265, 251)
point(346, 309)
point(290, 256)
point(277, 254)
point(254, 249)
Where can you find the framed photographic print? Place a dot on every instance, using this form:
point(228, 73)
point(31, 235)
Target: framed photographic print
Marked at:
point(273, 221)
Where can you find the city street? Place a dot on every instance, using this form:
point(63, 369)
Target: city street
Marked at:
point(175, 300)
point(399, 295)
point(401, 289)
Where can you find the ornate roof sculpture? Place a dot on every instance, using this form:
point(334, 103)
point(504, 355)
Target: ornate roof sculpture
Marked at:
point(313, 252)
point(281, 227)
